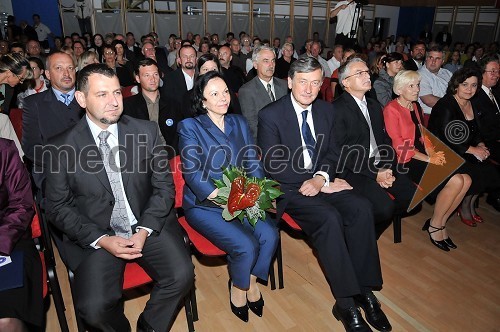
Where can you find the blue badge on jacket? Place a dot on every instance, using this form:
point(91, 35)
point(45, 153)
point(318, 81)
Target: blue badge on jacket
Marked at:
point(169, 122)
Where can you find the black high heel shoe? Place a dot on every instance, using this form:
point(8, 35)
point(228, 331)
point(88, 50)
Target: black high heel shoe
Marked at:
point(440, 244)
point(256, 306)
point(240, 312)
point(449, 242)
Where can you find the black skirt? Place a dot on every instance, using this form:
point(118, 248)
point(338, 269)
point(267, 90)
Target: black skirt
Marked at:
point(25, 303)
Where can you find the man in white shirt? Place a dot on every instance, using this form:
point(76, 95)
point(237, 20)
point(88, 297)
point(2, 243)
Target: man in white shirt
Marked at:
point(336, 59)
point(434, 80)
point(315, 53)
point(345, 12)
point(42, 31)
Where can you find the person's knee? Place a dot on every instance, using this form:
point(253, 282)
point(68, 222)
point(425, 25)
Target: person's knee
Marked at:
point(94, 311)
point(246, 250)
point(269, 237)
point(182, 278)
point(12, 324)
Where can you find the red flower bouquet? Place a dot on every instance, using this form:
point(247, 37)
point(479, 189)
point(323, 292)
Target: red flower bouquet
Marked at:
point(245, 196)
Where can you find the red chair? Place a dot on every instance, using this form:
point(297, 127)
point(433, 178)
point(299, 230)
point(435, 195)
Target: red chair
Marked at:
point(326, 91)
point(16, 118)
point(127, 91)
point(50, 280)
point(198, 241)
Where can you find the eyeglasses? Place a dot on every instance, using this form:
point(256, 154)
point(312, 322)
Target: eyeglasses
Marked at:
point(20, 78)
point(359, 74)
point(495, 71)
point(109, 53)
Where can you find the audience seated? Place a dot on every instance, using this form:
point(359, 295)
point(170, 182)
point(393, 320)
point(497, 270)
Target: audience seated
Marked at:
point(393, 63)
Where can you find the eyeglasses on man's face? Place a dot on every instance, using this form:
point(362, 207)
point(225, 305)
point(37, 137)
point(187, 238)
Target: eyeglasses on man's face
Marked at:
point(359, 74)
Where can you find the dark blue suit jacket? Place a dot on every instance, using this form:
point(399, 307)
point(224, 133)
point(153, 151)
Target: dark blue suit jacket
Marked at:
point(205, 151)
point(280, 139)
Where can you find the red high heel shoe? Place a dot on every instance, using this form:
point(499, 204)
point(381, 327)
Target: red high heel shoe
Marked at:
point(468, 222)
point(477, 218)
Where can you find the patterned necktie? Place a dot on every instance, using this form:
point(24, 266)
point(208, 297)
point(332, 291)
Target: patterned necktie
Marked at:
point(66, 99)
point(373, 142)
point(492, 97)
point(270, 92)
point(119, 219)
point(308, 137)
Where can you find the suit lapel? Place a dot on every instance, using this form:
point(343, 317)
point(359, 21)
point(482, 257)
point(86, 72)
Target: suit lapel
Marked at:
point(126, 141)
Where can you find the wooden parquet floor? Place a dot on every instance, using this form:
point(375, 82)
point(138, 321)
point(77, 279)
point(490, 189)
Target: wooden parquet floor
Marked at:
point(425, 289)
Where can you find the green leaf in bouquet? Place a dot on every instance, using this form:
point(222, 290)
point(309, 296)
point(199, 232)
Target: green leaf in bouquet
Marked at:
point(220, 200)
point(274, 193)
point(219, 183)
point(226, 215)
point(241, 216)
point(226, 180)
point(253, 221)
point(224, 192)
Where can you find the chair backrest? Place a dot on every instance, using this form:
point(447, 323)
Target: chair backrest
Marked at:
point(16, 118)
point(36, 230)
point(128, 91)
point(326, 90)
point(175, 167)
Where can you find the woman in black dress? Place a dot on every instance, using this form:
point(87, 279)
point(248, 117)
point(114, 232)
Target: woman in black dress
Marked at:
point(452, 121)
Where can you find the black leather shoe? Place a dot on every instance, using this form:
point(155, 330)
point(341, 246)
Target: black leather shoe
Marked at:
point(256, 306)
point(143, 326)
point(240, 312)
point(351, 318)
point(494, 201)
point(373, 313)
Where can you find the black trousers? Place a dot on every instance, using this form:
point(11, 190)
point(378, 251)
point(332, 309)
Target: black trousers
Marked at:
point(99, 280)
point(384, 207)
point(340, 227)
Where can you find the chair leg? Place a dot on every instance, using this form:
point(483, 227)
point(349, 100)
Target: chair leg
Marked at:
point(55, 289)
point(396, 226)
point(79, 321)
point(272, 277)
point(279, 259)
point(189, 312)
point(194, 304)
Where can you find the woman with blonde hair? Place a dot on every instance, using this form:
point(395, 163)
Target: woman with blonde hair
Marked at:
point(87, 58)
point(403, 121)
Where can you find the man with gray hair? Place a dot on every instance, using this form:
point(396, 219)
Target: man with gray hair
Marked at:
point(368, 159)
point(263, 88)
point(299, 152)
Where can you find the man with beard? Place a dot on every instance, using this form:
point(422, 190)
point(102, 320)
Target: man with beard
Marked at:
point(263, 89)
point(417, 57)
point(149, 105)
point(49, 113)
point(181, 80)
point(116, 207)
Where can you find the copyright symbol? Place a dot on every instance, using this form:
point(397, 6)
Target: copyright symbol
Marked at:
point(456, 132)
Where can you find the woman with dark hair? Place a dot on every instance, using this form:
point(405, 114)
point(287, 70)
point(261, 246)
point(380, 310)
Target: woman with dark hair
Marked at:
point(393, 63)
point(452, 121)
point(14, 69)
point(21, 307)
point(97, 44)
point(454, 62)
point(210, 142)
point(403, 121)
point(35, 85)
point(207, 63)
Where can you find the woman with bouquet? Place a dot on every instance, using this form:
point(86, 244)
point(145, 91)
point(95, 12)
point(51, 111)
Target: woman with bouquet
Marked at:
point(210, 143)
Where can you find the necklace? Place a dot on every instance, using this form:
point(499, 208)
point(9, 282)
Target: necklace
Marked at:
point(408, 106)
point(464, 108)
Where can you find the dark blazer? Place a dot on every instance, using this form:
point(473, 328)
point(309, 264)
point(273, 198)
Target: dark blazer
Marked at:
point(162, 61)
point(79, 197)
point(189, 112)
point(279, 137)
point(16, 198)
point(410, 64)
point(174, 86)
point(134, 55)
point(253, 97)
point(487, 115)
point(168, 117)
point(352, 134)
point(43, 118)
point(282, 67)
point(445, 111)
point(208, 150)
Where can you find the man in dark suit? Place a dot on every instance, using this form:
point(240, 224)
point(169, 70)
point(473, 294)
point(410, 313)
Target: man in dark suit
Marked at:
point(181, 80)
point(416, 61)
point(132, 51)
point(299, 151)
point(51, 112)
point(443, 37)
point(158, 55)
point(263, 89)
point(368, 159)
point(486, 106)
point(116, 207)
point(149, 105)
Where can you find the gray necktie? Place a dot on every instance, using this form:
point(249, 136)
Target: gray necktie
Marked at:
point(373, 142)
point(270, 92)
point(492, 97)
point(119, 219)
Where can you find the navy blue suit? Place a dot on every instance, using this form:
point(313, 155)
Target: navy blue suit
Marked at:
point(205, 152)
point(339, 225)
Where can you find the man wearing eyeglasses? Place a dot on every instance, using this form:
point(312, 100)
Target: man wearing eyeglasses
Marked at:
point(486, 106)
point(299, 151)
point(368, 160)
point(49, 113)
